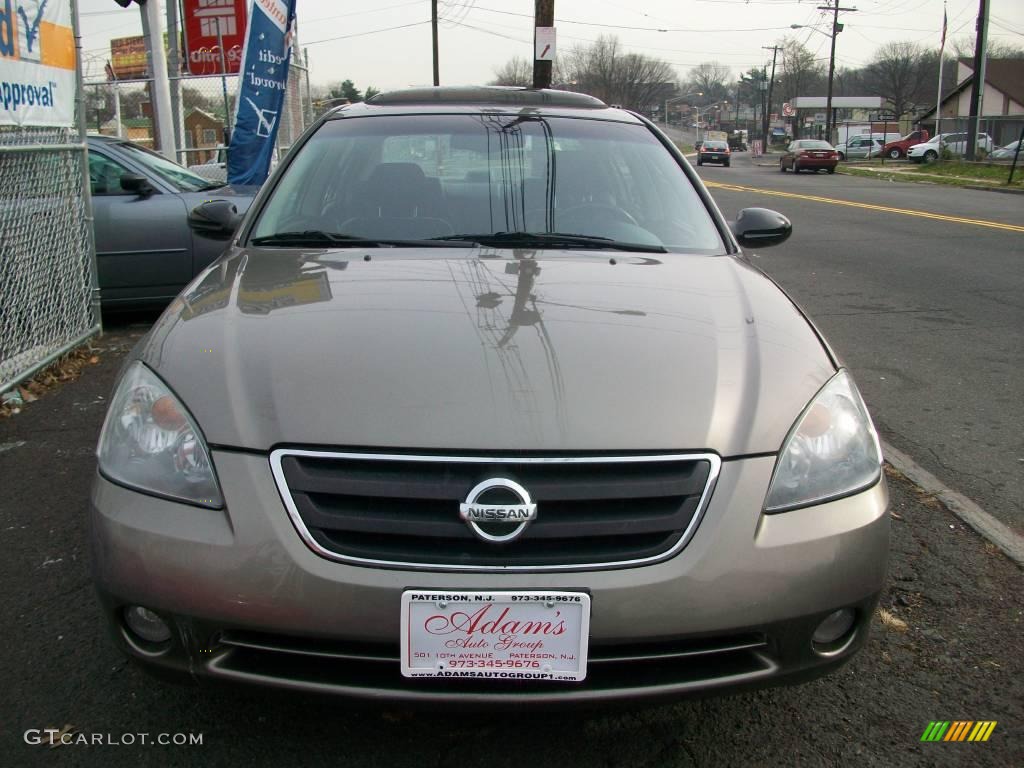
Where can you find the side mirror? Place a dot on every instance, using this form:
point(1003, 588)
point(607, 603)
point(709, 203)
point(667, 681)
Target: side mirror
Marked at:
point(760, 228)
point(217, 219)
point(140, 185)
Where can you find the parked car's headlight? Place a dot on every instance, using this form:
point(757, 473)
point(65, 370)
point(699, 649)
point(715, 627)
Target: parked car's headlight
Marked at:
point(831, 451)
point(151, 443)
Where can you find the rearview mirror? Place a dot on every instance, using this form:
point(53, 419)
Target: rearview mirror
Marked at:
point(217, 219)
point(131, 182)
point(760, 228)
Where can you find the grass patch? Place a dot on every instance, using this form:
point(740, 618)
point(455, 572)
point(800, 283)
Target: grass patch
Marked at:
point(987, 171)
point(994, 177)
point(685, 148)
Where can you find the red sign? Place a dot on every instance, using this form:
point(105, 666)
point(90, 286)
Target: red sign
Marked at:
point(209, 25)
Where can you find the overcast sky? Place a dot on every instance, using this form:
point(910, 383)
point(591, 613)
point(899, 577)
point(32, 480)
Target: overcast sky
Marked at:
point(357, 39)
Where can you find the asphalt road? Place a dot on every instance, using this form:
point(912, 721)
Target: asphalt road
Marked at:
point(926, 306)
point(955, 654)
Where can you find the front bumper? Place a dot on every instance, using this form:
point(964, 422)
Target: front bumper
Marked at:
point(248, 601)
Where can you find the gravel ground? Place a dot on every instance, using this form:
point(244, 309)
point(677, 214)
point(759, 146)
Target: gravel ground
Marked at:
point(951, 651)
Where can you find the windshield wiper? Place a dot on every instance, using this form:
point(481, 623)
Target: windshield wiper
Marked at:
point(554, 240)
point(212, 185)
point(341, 240)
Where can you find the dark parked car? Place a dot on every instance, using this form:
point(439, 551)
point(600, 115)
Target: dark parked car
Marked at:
point(145, 250)
point(714, 152)
point(809, 155)
point(485, 405)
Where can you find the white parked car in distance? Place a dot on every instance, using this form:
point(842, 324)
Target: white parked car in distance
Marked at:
point(860, 147)
point(217, 169)
point(956, 143)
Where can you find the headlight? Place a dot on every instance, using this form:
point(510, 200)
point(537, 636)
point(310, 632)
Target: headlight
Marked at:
point(831, 451)
point(150, 442)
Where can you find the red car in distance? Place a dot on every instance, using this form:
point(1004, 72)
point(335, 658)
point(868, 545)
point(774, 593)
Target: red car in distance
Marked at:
point(809, 155)
point(897, 149)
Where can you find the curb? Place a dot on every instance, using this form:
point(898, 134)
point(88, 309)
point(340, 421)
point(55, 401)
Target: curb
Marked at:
point(1010, 542)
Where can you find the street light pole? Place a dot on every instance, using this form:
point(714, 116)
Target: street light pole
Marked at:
point(677, 98)
point(768, 107)
point(832, 63)
point(433, 32)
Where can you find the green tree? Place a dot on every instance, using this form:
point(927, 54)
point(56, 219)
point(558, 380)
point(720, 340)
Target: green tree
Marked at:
point(346, 89)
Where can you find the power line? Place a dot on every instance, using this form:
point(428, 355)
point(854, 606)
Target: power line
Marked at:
point(359, 13)
point(633, 28)
point(368, 32)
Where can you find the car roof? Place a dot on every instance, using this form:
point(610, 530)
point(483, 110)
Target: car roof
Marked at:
point(476, 99)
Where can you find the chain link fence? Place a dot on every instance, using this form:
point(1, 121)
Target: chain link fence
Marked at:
point(205, 111)
point(47, 267)
point(993, 133)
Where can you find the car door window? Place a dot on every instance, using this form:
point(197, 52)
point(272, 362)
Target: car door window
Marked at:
point(105, 175)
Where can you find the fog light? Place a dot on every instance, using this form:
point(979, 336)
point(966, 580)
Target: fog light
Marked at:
point(835, 625)
point(146, 624)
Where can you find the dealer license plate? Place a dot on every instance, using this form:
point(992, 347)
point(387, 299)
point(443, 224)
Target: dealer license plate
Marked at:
point(496, 635)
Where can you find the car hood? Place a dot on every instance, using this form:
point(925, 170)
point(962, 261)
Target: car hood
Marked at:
point(488, 350)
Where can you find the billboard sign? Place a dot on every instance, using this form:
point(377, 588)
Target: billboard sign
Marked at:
point(208, 24)
point(37, 63)
point(128, 58)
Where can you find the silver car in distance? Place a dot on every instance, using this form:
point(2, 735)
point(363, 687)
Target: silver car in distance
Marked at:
point(485, 403)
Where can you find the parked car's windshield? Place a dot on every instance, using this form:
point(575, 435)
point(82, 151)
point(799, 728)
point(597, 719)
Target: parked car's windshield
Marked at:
point(437, 176)
point(179, 177)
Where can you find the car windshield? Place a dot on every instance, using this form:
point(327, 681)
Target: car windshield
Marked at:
point(715, 145)
point(420, 177)
point(177, 176)
point(813, 145)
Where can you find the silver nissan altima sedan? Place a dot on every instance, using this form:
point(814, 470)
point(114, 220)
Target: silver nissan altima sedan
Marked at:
point(485, 403)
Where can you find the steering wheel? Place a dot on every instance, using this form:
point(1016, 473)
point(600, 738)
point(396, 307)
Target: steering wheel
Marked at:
point(605, 210)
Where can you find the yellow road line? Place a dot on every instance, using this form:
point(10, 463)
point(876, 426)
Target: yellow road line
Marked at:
point(869, 206)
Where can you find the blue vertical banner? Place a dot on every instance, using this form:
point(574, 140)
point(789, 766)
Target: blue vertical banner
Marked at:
point(261, 91)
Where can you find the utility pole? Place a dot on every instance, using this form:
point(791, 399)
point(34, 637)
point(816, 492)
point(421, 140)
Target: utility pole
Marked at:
point(771, 83)
point(836, 29)
point(978, 80)
point(544, 16)
point(174, 74)
point(433, 28)
point(160, 90)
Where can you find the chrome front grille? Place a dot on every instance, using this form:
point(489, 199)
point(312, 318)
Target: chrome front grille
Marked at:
point(373, 669)
point(399, 510)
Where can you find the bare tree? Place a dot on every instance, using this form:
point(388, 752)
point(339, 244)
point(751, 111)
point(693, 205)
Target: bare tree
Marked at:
point(963, 47)
point(632, 80)
point(898, 73)
point(711, 79)
point(515, 71)
point(800, 73)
